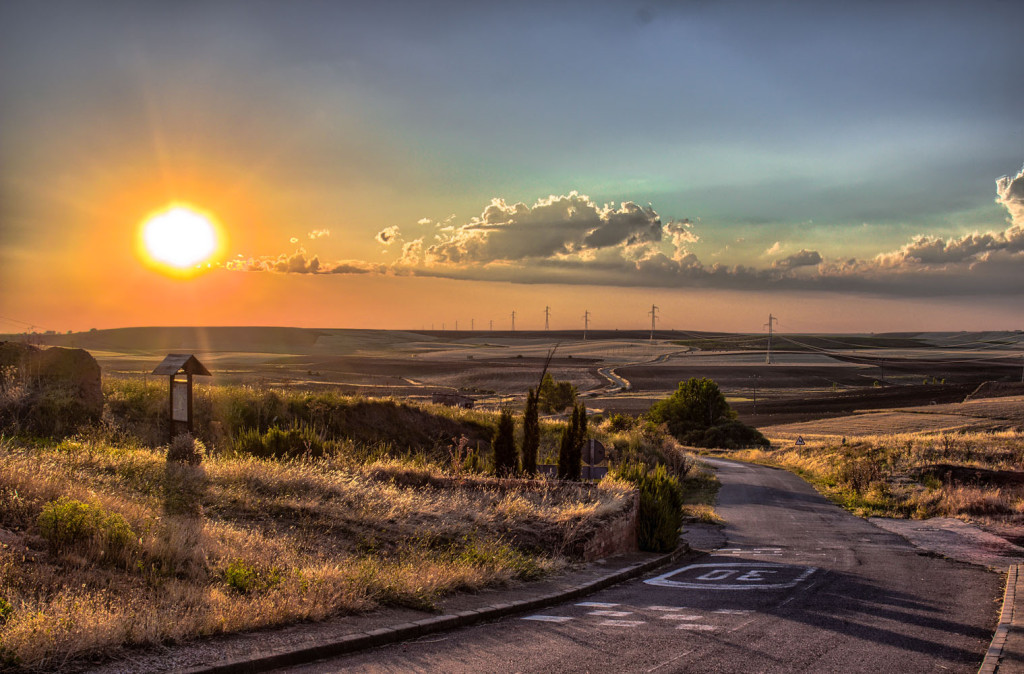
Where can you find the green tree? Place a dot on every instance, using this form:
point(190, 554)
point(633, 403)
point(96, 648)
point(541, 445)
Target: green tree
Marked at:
point(531, 434)
point(555, 396)
point(697, 404)
point(570, 449)
point(504, 443)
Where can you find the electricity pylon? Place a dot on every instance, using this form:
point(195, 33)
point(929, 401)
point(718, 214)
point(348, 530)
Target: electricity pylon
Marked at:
point(769, 325)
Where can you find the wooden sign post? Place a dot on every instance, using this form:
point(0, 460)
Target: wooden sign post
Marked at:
point(174, 366)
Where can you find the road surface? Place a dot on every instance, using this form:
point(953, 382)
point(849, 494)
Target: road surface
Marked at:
point(798, 586)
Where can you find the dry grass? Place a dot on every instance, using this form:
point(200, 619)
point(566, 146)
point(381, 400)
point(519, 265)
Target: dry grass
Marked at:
point(241, 543)
point(897, 475)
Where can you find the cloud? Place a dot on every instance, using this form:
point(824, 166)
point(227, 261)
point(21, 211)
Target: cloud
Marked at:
point(802, 258)
point(388, 235)
point(570, 239)
point(557, 225)
point(319, 233)
point(298, 263)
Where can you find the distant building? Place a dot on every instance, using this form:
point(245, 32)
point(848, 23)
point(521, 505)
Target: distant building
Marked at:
point(453, 400)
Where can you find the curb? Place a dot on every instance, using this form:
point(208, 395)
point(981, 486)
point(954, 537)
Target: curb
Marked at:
point(388, 635)
point(995, 650)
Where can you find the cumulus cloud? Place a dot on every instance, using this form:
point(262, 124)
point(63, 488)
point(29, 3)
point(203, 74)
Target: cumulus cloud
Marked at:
point(774, 249)
point(557, 225)
point(802, 258)
point(388, 235)
point(319, 233)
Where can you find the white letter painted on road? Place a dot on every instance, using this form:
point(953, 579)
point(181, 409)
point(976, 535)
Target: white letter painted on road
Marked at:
point(717, 574)
point(754, 575)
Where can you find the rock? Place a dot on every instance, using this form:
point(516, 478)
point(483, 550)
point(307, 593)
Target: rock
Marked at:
point(55, 373)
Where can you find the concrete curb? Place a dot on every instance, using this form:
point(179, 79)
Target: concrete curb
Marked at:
point(388, 635)
point(990, 664)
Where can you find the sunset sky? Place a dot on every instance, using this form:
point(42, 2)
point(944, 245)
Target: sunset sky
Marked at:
point(845, 166)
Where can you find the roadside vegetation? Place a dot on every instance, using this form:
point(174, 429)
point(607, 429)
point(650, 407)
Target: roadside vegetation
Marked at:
point(913, 475)
point(293, 506)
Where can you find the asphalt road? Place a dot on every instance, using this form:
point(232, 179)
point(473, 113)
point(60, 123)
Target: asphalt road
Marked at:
point(799, 586)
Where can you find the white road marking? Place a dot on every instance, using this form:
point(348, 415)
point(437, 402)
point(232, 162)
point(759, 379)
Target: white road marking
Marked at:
point(611, 614)
point(679, 616)
point(669, 608)
point(548, 618)
point(696, 627)
point(621, 623)
point(732, 611)
point(596, 604)
point(753, 579)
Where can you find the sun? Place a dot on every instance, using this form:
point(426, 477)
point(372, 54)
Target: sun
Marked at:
point(179, 239)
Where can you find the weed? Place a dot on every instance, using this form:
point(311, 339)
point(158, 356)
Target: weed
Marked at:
point(67, 523)
point(245, 578)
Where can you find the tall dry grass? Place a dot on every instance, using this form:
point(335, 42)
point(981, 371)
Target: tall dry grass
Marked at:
point(897, 475)
point(239, 543)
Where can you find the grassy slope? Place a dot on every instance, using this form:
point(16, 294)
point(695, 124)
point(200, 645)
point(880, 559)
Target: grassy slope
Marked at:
point(238, 544)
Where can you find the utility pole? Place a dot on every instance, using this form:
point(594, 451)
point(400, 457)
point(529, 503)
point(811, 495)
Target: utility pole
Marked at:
point(456, 325)
point(472, 324)
point(654, 319)
point(491, 328)
point(513, 320)
point(755, 395)
point(547, 318)
point(586, 323)
point(768, 354)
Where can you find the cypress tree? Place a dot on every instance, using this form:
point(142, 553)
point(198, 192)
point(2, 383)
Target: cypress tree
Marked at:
point(504, 443)
point(570, 449)
point(531, 434)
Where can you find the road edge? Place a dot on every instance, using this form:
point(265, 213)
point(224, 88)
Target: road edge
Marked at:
point(990, 664)
point(389, 635)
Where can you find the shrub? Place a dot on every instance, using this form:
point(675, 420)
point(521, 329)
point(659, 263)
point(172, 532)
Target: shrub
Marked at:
point(67, 523)
point(570, 450)
point(698, 414)
point(555, 396)
point(245, 578)
point(504, 443)
point(186, 449)
point(299, 440)
point(531, 434)
point(6, 610)
point(661, 506)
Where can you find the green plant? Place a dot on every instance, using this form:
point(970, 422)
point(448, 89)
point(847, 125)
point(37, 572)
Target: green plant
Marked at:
point(570, 449)
point(698, 414)
point(661, 505)
point(504, 444)
point(299, 440)
point(555, 396)
point(6, 610)
point(65, 523)
point(245, 578)
point(531, 434)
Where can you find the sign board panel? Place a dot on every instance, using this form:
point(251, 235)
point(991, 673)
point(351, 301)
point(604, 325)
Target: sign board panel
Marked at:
point(179, 401)
point(593, 452)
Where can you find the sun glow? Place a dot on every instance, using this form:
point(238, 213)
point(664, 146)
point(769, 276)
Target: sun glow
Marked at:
point(179, 239)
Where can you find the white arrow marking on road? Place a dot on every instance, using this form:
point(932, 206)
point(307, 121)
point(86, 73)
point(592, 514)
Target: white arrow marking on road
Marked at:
point(548, 618)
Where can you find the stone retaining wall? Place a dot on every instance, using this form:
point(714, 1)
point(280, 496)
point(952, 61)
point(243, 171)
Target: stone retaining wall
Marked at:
point(616, 537)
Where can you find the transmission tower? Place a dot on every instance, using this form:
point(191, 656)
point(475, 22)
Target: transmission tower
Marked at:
point(586, 323)
point(513, 320)
point(547, 318)
point(456, 325)
point(653, 313)
point(491, 325)
point(472, 324)
point(768, 354)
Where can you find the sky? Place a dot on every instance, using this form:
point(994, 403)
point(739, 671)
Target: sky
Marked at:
point(846, 167)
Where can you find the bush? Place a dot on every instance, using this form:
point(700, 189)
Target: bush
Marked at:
point(245, 578)
point(6, 610)
point(186, 449)
point(67, 523)
point(555, 396)
point(697, 414)
point(531, 434)
point(299, 440)
point(661, 505)
point(504, 443)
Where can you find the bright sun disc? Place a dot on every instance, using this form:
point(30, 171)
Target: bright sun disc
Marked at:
point(179, 237)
